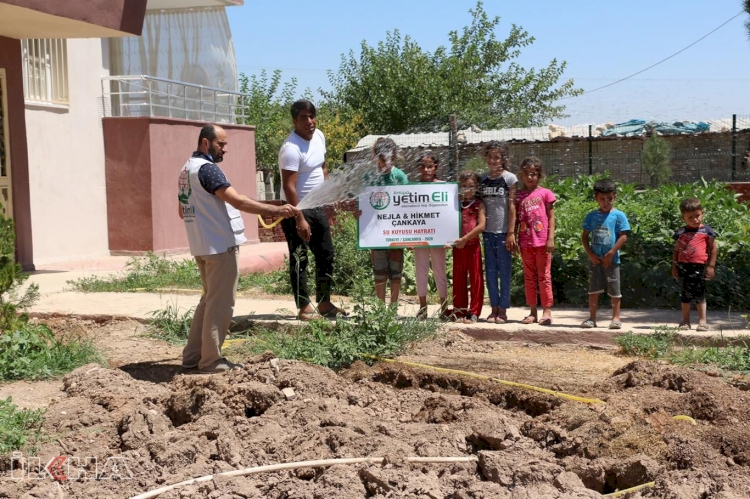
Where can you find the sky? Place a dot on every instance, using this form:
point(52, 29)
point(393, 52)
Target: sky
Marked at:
point(601, 42)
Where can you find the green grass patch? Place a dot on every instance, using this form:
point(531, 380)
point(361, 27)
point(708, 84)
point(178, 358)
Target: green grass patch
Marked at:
point(148, 273)
point(664, 343)
point(170, 325)
point(20, 430)
point(32, 351)
point(373, 329)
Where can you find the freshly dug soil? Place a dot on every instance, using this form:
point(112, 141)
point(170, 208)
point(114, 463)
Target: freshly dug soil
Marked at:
point(164, 428)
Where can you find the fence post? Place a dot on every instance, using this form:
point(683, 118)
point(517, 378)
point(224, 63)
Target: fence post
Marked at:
point(591, 158)
point(734, 146)
point(452, 147)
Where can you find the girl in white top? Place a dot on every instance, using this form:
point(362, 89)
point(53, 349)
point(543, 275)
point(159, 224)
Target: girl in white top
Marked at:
point(428, 164)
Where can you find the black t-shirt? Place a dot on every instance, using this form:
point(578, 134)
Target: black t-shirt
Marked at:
point(210, 175)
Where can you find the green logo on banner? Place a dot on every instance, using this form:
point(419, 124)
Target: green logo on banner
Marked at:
point(380, 200)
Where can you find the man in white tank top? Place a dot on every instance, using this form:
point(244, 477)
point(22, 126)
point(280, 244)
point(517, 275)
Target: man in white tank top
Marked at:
point(302, 166)
point(210, 208)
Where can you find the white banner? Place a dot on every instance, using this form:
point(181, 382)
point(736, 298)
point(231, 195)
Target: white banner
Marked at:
point(424, 214)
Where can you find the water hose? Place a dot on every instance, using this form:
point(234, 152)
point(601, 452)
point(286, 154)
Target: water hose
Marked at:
point(554, 393)
point(271, 225)
point(322, 463)
point(682, 417)
point(632, 489)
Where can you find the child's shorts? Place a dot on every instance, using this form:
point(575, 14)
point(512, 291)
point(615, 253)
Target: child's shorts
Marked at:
point(387, 264)
point(693, 282)
point(601, 278)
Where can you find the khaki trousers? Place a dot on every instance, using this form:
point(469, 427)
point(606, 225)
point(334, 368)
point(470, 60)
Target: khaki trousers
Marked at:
point(213, 315)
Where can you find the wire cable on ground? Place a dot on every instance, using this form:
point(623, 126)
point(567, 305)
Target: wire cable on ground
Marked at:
point(322, 463)
point(554, 393)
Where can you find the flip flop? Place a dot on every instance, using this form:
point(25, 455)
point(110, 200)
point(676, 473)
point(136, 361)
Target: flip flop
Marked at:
point(308, 316)
point(615, 325)
point(588, 324)
point(529, 319)
point(492, 319)
point(684, 326)
point(501, 320)
point(335, 312)
point(702, 327)
point(545, 321)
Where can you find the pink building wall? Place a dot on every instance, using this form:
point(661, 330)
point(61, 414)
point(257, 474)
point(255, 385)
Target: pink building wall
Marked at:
point(143, 160)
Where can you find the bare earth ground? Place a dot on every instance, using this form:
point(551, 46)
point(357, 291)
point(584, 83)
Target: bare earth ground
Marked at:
point(169, 427)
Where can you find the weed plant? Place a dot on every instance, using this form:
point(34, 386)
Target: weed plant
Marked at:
point(149, 273)
point(170, 325)
point(664, 344)
point(31, 351)
point(20, 430)
point(373, 329)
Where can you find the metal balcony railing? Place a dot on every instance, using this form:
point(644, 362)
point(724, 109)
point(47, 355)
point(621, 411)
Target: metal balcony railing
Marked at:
point(141, 95)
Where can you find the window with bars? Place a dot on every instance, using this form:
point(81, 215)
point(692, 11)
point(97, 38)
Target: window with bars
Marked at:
point(45, 70)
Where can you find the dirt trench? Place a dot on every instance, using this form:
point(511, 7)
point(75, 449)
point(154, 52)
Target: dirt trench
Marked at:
point(527, 444)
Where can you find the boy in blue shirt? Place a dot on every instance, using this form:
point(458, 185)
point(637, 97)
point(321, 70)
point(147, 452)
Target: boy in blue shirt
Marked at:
point(608, 229)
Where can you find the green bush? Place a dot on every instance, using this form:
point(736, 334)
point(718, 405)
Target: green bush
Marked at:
point(12, 299)
point(19, 429)
point(374, 329)
point(31, 351)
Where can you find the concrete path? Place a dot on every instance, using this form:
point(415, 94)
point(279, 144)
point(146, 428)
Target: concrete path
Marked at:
point(58, 298)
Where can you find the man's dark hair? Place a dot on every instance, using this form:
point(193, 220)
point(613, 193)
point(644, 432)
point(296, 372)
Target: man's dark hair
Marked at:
point(690, 204)
point(301, 105)
point(207, 132)
point(604, 186)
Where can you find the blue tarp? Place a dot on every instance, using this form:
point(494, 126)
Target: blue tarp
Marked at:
point(634, 128)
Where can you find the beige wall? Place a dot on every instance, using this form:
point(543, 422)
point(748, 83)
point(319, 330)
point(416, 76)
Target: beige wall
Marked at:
point(66, 164)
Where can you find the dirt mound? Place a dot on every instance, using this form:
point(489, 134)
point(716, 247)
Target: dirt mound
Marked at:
point(526, 444)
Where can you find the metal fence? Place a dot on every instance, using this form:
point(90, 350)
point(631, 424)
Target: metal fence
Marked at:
point(141, 95)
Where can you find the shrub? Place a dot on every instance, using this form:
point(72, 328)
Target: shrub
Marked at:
point(31, 351)
point(374, 329)
point(19, 429)
point(12, 299)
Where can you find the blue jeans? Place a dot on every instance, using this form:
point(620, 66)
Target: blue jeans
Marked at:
point(497, 260)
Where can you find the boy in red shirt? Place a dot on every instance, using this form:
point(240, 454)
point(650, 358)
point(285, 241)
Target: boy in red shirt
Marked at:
point(694, 247)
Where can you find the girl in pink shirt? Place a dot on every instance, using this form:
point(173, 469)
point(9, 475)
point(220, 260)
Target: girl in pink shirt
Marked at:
point(535, 221)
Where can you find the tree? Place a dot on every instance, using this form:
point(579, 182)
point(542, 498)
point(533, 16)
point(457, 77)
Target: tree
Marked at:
point(342, 132)
point(655, 159)
point(398, 87)
point(267, 108)
point(747, 21)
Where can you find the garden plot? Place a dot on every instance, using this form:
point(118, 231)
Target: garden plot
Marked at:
point(169, 428)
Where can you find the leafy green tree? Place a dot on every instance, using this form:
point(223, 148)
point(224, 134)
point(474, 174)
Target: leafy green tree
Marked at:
point(267, 108)
point(342, 132)
point(655, 159)
point(747, 21)
point(398, 87)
